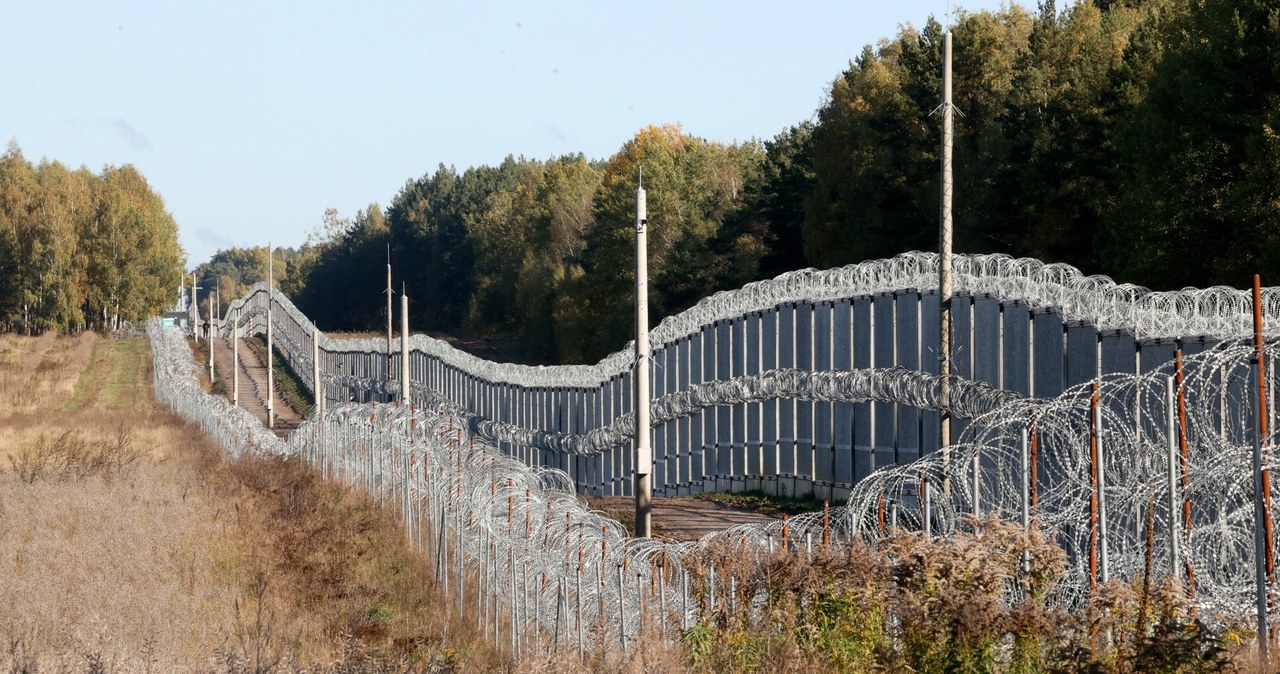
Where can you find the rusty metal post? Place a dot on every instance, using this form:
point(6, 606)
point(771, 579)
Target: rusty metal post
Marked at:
point(826, 526)
point(1035, 465)
point(880, 512)
point(1264, 561)
point(1262, 423)
point(1185, 461)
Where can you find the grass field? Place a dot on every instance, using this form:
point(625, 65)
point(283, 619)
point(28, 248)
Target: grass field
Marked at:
point(127, 543)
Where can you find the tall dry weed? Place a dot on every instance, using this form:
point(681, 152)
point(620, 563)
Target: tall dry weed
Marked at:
point(74, 455)
point(980, 601)
point(103, 566)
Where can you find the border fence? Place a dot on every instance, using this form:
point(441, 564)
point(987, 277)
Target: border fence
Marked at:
point(1123, 421)
point(1020, 325)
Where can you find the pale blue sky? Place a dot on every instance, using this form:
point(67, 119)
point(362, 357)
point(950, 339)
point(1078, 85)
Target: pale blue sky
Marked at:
point(251, 118)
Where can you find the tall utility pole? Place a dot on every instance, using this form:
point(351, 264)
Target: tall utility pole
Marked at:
point(215, 319)
point(317, 389)
point(235, 358)
point(390, 295)
point(211, 319)
point(195, 308)
point(944, 273)
point(404, 346)
point(271, 363)
point(644, 446)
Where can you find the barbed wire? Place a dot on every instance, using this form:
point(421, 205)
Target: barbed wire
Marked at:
point(1219, 311)
point(480, 512)
point(527, 541)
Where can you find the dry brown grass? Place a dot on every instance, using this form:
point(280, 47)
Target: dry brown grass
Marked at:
point(116, 566)
point(128, 544)
point(343, 563)
point(88, 385)
point(115, 549)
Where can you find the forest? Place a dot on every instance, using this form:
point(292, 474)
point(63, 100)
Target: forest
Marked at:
point(1133, 138)
point(81, 250)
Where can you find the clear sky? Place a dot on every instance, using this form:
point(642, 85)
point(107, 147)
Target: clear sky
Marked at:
point(251, 118)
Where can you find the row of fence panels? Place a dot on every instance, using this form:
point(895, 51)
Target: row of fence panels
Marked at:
point(787, 447)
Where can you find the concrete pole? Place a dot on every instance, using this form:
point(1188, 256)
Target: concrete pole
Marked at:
point(644, 443)
point(235, 359)
point(271, 299)
point(194, 312)
point(404, 348)
point(390, 295)
point(317, 389)
point(211, 332)
point(926, 506)
point(944, 273)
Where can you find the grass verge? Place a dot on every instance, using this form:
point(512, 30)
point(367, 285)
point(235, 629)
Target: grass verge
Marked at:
point(288, 384)
point(131, 545)
point(758, 501)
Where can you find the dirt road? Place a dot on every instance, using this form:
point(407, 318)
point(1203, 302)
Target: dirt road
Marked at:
point(683, 519)
point(253, 385)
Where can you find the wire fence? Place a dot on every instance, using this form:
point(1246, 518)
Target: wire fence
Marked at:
point(1127, 457)
point(515, 549)
point(1021, 326)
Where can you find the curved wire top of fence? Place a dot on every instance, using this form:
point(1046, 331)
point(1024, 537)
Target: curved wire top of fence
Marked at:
point(987, 473)
point(1219, 312)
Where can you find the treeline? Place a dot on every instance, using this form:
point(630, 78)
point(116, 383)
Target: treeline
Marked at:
point(82, 250)
point(542, 251)
point(1135, 138)
point(230, 273)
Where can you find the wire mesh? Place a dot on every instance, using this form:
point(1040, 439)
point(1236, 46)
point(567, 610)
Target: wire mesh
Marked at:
point(572, 576)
